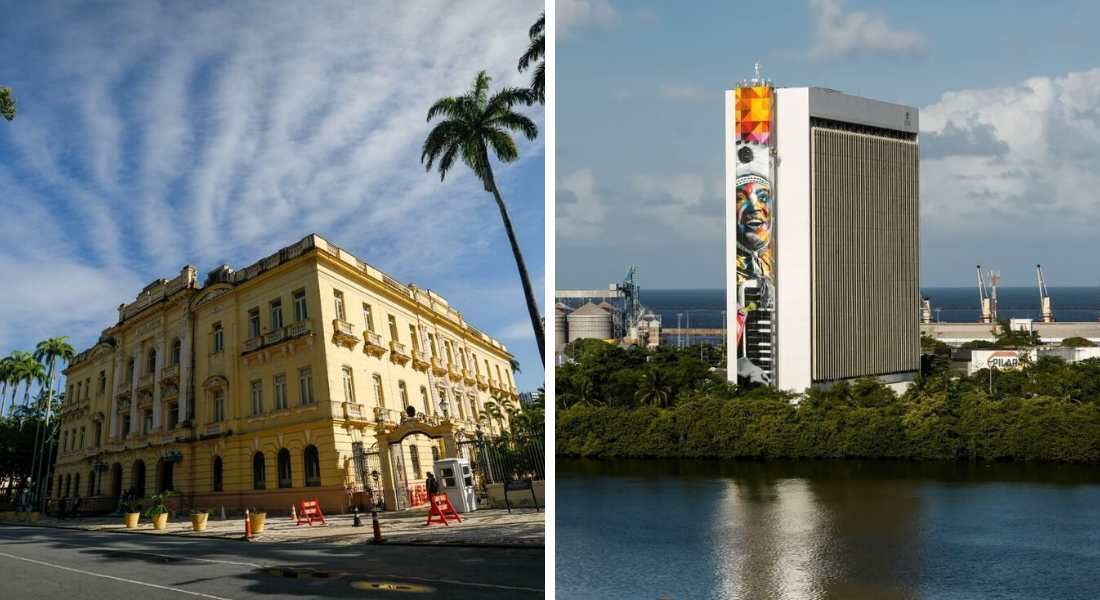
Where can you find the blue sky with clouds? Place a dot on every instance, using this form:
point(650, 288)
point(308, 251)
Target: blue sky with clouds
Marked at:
point(1010, 127)
point(155, 134)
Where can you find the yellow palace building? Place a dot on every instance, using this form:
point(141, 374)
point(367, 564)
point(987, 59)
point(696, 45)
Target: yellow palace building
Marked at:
point(307, 375)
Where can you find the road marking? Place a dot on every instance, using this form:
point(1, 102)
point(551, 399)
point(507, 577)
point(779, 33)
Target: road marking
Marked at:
point(469, 583)
point(122, 579)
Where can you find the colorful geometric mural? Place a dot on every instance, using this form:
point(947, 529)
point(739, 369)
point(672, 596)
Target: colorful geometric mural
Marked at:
point(755, 210)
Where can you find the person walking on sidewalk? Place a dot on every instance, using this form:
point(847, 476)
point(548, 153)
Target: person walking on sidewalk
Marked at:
point(432, 485)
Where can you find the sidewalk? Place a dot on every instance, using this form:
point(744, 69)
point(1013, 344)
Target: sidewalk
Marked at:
point(492, 527)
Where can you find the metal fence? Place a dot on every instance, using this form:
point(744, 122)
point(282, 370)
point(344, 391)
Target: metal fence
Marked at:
point(504, 459)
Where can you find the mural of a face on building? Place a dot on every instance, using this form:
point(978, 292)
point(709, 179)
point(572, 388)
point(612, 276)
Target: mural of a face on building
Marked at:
point(754, 210)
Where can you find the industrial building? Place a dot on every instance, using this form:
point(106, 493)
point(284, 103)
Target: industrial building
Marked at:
point(821, 237)
point(615, 315)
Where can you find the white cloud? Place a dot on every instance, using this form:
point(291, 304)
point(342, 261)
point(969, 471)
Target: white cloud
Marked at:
point(686, 92)
point(138, 149)
point(570, 14)
point(580, 215)
point(1018, 160)
point(841, 33)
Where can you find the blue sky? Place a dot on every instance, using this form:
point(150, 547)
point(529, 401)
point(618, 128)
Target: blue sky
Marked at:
point(151, 135)
point(1009, 94)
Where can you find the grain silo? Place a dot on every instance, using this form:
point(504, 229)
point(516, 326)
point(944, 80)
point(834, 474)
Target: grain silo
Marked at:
point(589, 322)
point(561, 327)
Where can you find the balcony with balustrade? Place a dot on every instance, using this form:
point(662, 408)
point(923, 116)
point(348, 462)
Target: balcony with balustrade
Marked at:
point(438, 368)
point(373, 344)
point(482, 382)
point(421, 361)
point(343, 333)
point(399, 353)
point(468, 377)
point(145, 382)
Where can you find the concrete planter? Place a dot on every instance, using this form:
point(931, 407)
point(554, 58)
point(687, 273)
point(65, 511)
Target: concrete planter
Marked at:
point(131, 519)
point(198, 522)
point(258, 520)
point(160, 521)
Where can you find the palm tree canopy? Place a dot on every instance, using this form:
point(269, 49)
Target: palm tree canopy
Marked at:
point(7, 103)
point(475, 122)
point(535, 52)
point(54, 348)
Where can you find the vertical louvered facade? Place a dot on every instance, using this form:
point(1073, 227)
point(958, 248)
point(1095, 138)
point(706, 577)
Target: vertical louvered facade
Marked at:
point(864, 222)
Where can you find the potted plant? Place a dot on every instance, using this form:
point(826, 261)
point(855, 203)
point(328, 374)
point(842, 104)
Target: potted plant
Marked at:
point(258, 519)
point(158, 510)
point(198, 518)
point(131, 512)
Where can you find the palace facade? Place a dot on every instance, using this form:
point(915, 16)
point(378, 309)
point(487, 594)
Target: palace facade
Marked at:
point(307, 375)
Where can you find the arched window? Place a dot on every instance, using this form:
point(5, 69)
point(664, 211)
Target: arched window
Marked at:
point(259, 476)
point(313, 466)
point(217, 473)
point(138, 479)
point(76, 484)
point(284, 468)
point(91, 483)
point(151, 361)
point(177, 348)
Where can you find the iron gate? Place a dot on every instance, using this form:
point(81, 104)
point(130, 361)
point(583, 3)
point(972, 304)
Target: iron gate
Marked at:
point(368, 471)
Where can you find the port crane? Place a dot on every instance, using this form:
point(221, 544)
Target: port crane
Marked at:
point(1044, 297)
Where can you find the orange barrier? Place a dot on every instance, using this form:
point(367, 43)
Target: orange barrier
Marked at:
point(442, 509)
point(310, 511)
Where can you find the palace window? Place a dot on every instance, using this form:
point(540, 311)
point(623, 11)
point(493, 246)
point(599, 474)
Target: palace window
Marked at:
point(427, 401)
point(404, 391)
point(219, 338)
point(313, 466)
point(254, 323)
point(284, 468)
point(338, 297)
point(217, 473)
point(219, 406)
point(130, 369)
point(450, 354)
point(300, 312)
point(349, 384)
point(147, 421)
point(81, 446)
point(414, 457)
point(378, 394)
point(393, 327)
point(257, 397)
point(415, 338)
point(280, 391)
point(431, 345)
point(368, 317)
point(151, 361)
point(102, 383)
point(305, 385)
point(259, 477)
point(177, 349)
point(276, 311)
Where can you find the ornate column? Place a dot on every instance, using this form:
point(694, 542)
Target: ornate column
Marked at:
point(158, 410)
point(135, 421)
point(185, 386)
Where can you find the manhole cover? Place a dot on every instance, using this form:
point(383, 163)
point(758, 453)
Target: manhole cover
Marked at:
point(392, 586)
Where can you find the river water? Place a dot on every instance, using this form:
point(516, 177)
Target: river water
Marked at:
point(826, 529)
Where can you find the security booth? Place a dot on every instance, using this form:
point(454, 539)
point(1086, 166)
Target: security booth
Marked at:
point(456, 479)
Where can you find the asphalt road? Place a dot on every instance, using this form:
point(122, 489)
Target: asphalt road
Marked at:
point(38, 562)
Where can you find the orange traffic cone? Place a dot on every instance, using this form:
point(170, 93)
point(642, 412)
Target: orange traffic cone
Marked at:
point(247, 526)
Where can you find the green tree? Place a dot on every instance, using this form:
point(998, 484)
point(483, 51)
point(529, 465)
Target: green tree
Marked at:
point(654, 389)
point(49, 351)
point(1077, 342)
point(7, 103)
point(7, 378)
point(535, 53)
point(473, 124)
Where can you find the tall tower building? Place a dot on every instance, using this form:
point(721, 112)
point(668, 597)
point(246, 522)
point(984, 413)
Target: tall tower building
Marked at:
point(821, 237)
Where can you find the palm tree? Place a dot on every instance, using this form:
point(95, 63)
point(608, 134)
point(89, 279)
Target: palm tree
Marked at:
point(495, 413)
point(7, 366)
point(49, 351)
point(29, 371)
point(654, 389)
point(474, 123)
point(7, 103)
point(535, 52)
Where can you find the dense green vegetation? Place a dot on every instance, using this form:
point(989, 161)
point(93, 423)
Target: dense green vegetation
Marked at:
point(1048, 411)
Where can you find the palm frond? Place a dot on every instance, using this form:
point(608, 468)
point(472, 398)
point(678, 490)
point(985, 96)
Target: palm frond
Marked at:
point(503, 145)
point(515, 122)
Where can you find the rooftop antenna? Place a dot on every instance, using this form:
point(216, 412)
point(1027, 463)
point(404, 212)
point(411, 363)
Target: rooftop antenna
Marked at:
point(757, 78)
point(1044, 297)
